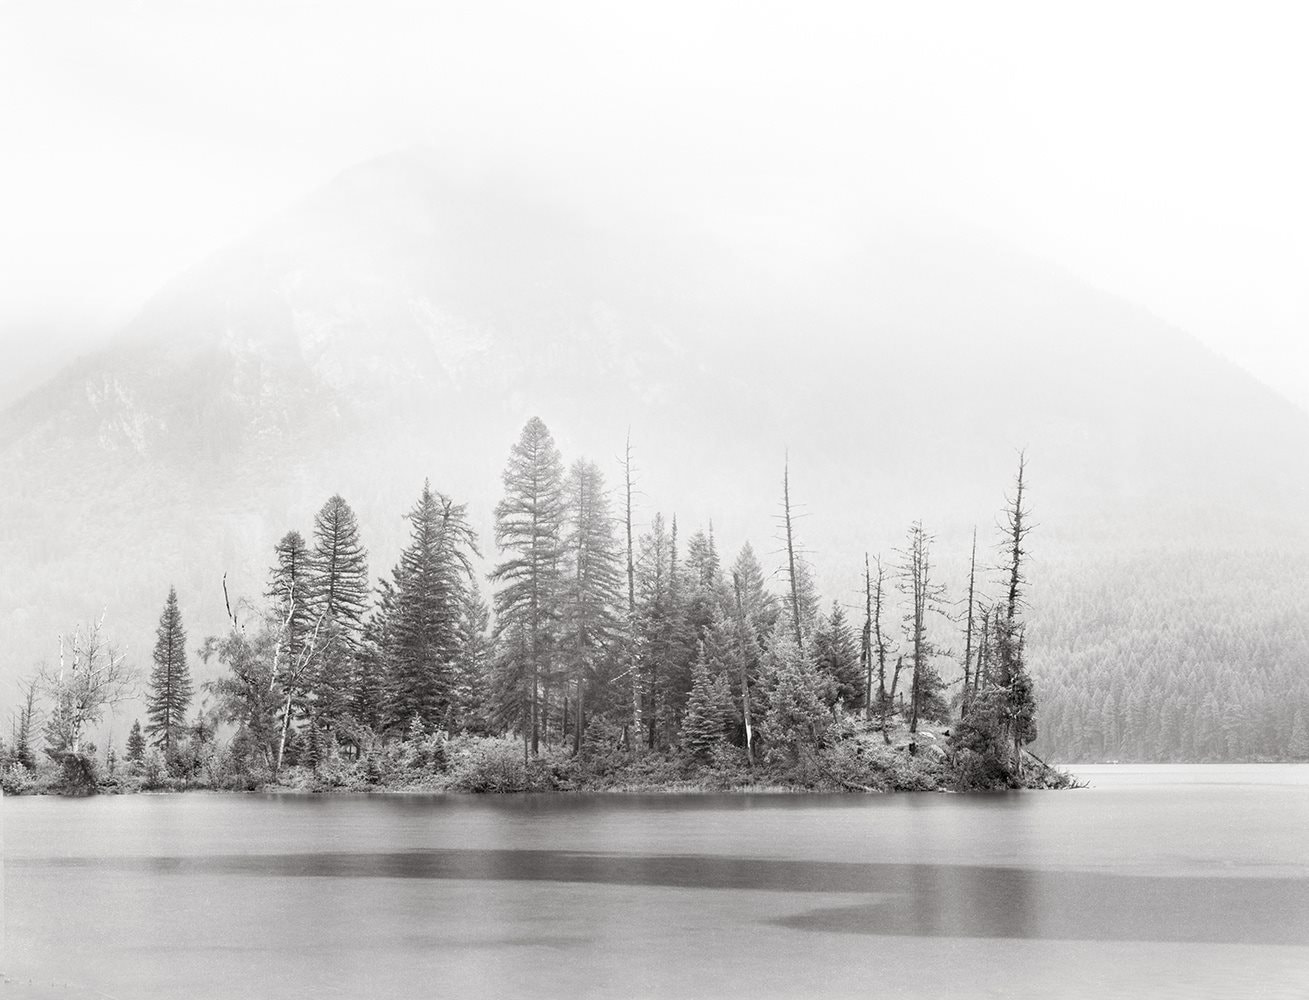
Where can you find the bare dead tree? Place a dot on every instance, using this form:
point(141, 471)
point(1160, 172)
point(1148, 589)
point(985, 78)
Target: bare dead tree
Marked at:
point(633, 666)
point(925, 598)
point(297, 669)
point(1017, 522)
point(227, 603)
point(895, 682)
point(745, 637)
point(880, 648)
point(968, 628)
point(1010, 634)
point(866, 645)
point(790, 553)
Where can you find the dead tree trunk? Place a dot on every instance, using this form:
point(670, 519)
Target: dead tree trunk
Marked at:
point(790, 554)
point(968, 630)
point(743, 636)
point(633, 666)
point(866, 647)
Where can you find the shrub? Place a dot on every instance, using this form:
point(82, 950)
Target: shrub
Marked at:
point(852, 763)
point(980, 746)
point(78, 774)
point(488, 765)
point(602, 746)
point(152, 771)
point(17, 780)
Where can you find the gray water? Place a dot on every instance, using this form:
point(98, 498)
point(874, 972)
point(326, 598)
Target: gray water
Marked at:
point(1156, 882)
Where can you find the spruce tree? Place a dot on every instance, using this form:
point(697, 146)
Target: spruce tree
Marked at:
point(25, 723)
point(704, 593)
point(1011, 663)
point(795, 718)
point(1297, 747)
point(170, 680)
point(473, 663)
point(136, 743)
point(758, 605)
point(702, 726)
point(338, 589)
point(591, 589)
point(925, 600)
point(422, 630)
point(289, 586)
point(836, 656)
point(661, 634)
point(338, 600)
point(529, 533)
point(368, 685)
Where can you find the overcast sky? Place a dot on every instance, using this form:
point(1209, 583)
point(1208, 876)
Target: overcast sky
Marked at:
point(1159, 150)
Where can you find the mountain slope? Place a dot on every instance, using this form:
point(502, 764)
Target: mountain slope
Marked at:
point(406, 320)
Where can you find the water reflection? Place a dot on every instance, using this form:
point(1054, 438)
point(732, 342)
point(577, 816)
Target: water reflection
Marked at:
point(920, 900)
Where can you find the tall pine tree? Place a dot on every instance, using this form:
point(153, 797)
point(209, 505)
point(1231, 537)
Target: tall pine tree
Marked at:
point(338, 599)
point(591, 591)
point(702, 726)
point(836, 656)
point(170, 680)
point(423, 627)
point(136, 743)
point(289, 586)
point(529, 524)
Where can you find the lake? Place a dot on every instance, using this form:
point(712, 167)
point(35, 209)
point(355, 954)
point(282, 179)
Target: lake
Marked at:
point(1158, 881)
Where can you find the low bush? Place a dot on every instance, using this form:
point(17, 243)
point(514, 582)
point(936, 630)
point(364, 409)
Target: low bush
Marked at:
point(488, 765)
point(17, 780)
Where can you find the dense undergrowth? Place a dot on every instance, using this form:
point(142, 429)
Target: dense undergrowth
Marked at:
point(851, 757)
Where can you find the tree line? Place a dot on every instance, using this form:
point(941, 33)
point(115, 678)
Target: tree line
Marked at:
point(598, 638)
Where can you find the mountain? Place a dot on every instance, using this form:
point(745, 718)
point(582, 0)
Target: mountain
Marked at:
point(405, 321)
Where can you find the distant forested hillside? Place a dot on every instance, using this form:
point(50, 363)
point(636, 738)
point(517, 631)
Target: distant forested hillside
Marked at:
point(1132, 670)
point(404, 321)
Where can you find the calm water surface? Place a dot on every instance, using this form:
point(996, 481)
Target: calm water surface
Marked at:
point(1156, 882)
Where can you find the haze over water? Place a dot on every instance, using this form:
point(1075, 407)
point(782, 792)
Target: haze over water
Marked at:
point(1158, 881)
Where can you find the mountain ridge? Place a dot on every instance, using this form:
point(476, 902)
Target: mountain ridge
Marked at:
point(396, 325)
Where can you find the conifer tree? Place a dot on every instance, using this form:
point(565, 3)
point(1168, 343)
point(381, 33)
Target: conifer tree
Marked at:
point(592, 587)
point(1011, 666)
point(291, 627)
point(368, 685)
point(758, 605)
point(836, 657)
point(338, 568)
point(473, 663)
point(338, 600)
point(136, 743)
point(795, 719)
point(925, 599)
point(660, 634)
point(1297, 748)
point(24, 725)
point(529, 533)
point(423, 627)
point(633, 639)
point(702, 727)
point(736, 639)
point(289, 587)
point(170, 680)
point(703, 590)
